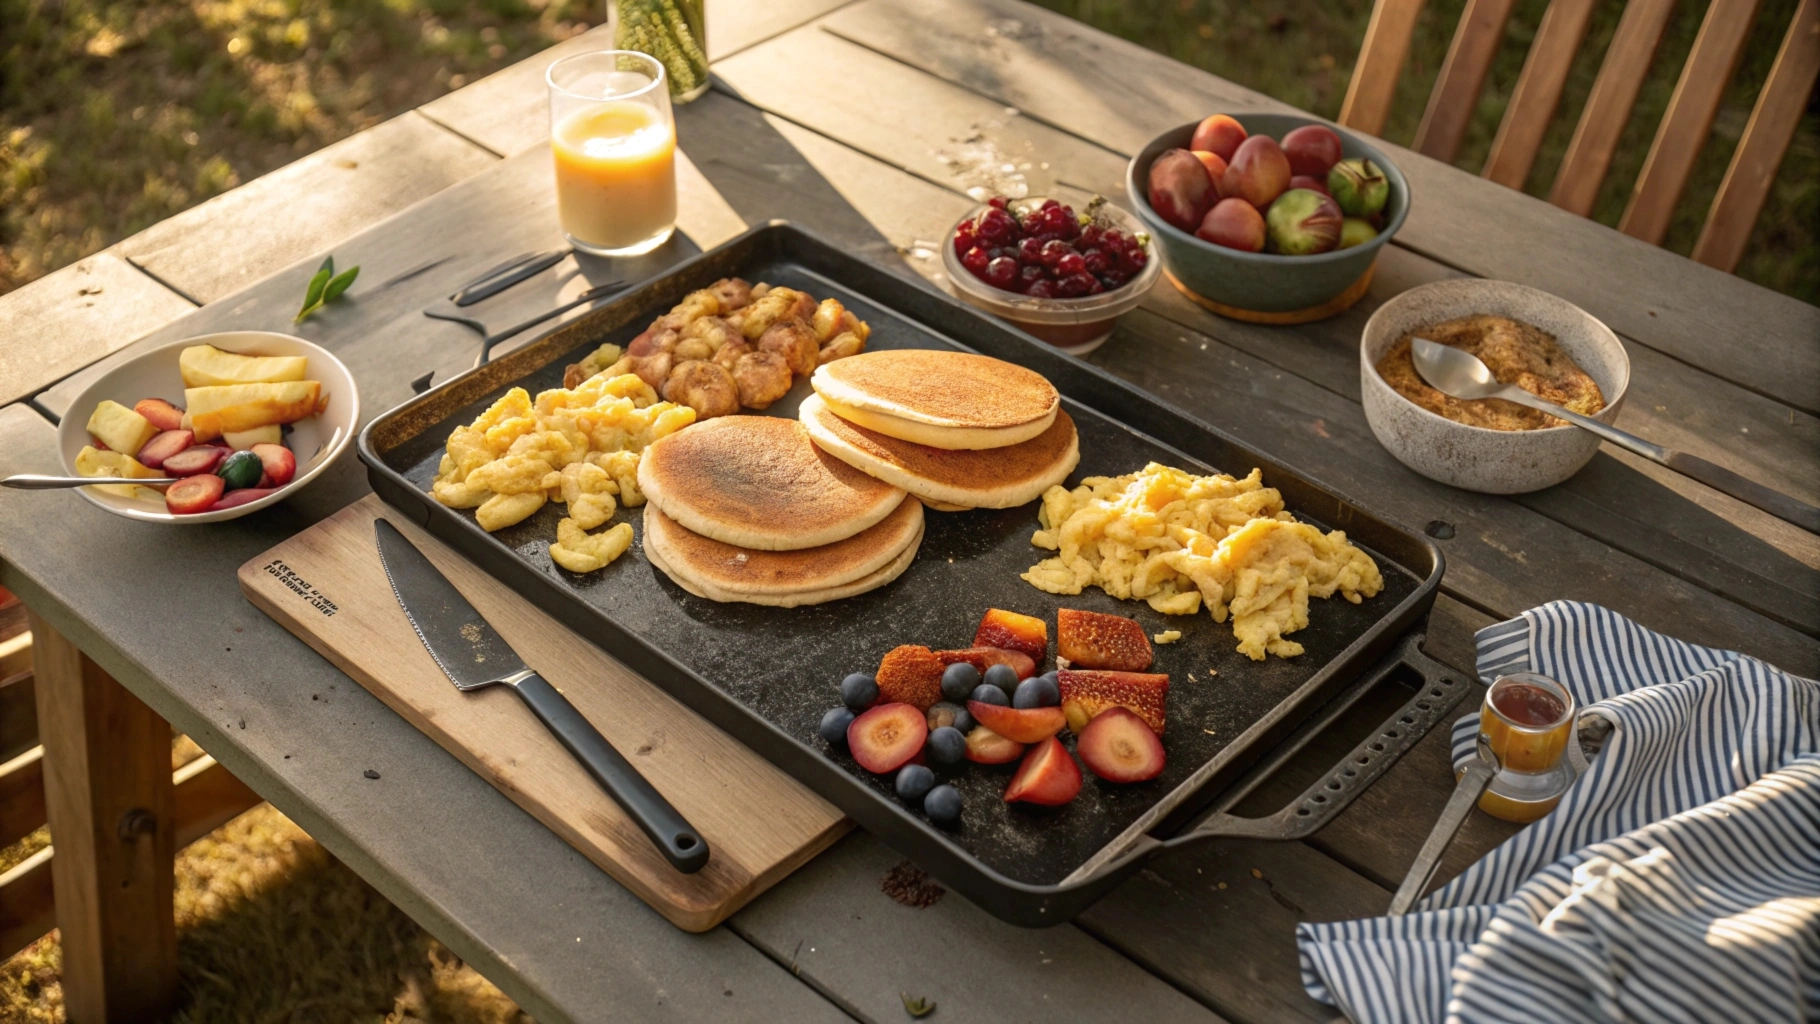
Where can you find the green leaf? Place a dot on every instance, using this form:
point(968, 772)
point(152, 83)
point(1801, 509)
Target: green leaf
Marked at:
point(328, 264)
point(339, 284)
point(313, 296)
point(917, 1006)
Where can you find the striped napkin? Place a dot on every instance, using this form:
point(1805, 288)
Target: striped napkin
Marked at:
point(1678, 879)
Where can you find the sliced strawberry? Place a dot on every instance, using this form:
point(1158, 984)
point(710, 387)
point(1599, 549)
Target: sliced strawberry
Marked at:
point(280, 464)
point(1094, 640)
point(1048, 776)
point(911, 674)
point(1086, 694)
point(987, 747)
point(984, 658)
point(1024, 725)
point(244, 496)
point(160, 413)
point(1013, 632)
point(1119, 747)
point(193, 461)
point(194, 494)
point(164, 445)
point(886, 737)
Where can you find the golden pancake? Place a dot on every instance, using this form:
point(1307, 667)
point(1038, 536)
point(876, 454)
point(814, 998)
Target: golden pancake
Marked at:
point(759, 482)
point(953, 400)
point(702, 588)
point(743, 570)
point(951, 479)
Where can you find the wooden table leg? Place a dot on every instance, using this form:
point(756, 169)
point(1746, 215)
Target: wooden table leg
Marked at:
point(107, 788)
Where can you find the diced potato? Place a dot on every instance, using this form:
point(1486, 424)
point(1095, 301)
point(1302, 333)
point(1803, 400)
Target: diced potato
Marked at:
point(214, 411)
point(92, 462)
point(207, 366)
point(241, 440)
point(120, 428)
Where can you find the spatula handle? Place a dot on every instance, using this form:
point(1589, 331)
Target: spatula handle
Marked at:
point(674, 837)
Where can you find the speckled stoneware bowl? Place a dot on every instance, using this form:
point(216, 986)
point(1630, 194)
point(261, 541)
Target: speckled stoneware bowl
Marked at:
point(1476, 458)
point(1262, 282)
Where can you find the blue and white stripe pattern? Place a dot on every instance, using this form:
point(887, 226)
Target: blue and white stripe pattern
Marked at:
point(1678, 879)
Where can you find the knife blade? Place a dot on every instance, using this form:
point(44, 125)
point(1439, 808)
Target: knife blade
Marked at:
point(472, 654)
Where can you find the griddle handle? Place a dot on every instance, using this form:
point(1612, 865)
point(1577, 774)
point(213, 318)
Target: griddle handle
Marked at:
point(1440, 693)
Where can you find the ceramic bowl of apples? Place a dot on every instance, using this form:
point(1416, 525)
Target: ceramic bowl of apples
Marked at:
point(1271, 214)
point(235, 420)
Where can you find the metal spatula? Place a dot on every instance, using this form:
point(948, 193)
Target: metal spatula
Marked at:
point(1479, 773)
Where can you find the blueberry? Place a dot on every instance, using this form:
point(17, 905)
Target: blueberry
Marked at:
point(914, 781)
point(859, 690)
point(1037, 692)
point(1002, 676)
point(986, 693)
point(943, 805)
point(964, 721)
point(947, 745)
point(834, 726)
point(958, 680)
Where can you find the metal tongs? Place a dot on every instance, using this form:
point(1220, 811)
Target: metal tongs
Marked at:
point(1479, 773)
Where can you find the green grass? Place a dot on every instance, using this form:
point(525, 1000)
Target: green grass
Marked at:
point(1302, 52)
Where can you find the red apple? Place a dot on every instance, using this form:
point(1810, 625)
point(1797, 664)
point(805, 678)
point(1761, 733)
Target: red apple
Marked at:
point(1235, 224)
point(1257, 173)
point(1312, 149)
point(1180, 190)
point(1219, 134)
point(1311, 183)
point(1216, 167)
point(1047, 776)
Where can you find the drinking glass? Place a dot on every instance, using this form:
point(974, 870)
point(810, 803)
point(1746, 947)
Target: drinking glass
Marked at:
point(614, 140)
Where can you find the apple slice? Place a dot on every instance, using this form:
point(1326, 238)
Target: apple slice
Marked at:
point(1048, 776)
point(1119, 747)
point(1086, 694)
point(1095, 640)
point(887, 737)
point(163, 445)
point(278, 461)
point(1023, 725)
point(160, 413)
point(1013, 632)
point(987, 747)
point(984, 658)
point(911, 674)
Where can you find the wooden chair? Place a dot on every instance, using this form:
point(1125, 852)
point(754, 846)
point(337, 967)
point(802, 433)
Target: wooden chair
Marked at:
point(1683, 130)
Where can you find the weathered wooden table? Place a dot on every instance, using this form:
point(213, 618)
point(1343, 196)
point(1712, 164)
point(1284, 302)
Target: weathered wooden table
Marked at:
point(868, 122)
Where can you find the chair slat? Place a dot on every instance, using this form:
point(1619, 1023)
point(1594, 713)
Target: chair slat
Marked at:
point(1456, 91)
point(1374, 76)
point(1772, 124)
point(1689, 119)
point(1538, 92)
point(1614, 92)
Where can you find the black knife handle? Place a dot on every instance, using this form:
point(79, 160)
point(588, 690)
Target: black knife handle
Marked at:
point(669, 830)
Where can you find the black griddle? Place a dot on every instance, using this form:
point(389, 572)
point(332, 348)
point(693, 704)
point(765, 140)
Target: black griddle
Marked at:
point(767, 675)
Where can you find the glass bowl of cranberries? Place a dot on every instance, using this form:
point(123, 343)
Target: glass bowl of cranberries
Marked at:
point(1061, 276)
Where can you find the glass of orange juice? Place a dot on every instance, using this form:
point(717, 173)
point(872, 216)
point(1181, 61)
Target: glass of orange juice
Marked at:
point(614, 139)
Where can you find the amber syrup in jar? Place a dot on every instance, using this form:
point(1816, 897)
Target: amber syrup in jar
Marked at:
point(1527, 719)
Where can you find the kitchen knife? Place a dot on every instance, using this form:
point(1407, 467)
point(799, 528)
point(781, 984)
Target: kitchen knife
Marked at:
point(472, 654)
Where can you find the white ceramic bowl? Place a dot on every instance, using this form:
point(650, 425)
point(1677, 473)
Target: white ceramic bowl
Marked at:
point(1478, 458)
point(317, 440)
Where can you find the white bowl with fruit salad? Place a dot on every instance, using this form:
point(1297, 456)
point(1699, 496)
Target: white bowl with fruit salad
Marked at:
point(1063, 277)
point(239, 420)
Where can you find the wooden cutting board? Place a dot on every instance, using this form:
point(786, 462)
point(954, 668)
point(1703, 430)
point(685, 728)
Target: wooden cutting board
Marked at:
point(326, 585)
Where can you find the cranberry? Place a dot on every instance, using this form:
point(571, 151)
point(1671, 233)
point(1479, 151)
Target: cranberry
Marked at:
point(1002, 272)
point(1030, 251)
point(1040, 290)
point(1051, 204)
point(1133, 259)
point(1112, 241)
point(975, 260)
point(1094, 287)
point(1029, 274)
point(965, 237)
point(1096, 261)
point(1071, 264)
point(1090, 236)
point(1072, 287)
point(996, 226)
point(1114, 278)
point(998, 202)
point(1053, 251)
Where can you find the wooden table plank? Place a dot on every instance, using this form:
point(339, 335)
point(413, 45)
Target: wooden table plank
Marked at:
point(303, 208)
point(1120, 95)
point(74, 316)
point(832, 923)
point(734, 25)
point(509, 110)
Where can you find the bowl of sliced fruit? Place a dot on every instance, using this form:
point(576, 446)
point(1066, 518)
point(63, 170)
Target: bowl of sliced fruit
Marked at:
point(1062, 276)
point(236, 421)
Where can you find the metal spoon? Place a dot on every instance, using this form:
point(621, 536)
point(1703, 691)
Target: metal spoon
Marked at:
point(1462, 375)
point(40, 482)
point(1478, 775)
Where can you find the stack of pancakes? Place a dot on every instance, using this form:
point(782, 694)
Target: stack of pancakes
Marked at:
point(746, 508)
point(956, 430)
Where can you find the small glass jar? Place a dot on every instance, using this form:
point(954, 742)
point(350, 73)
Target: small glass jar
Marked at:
point(675, 32)
point(1527, 719)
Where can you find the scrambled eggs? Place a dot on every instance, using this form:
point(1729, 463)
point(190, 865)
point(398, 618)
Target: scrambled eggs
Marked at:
point(577, 446)
point(1181, 542)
